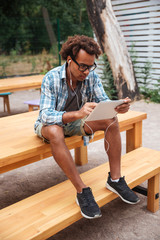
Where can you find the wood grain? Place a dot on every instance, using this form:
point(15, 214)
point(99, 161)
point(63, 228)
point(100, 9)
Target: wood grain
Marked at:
point(44, 214)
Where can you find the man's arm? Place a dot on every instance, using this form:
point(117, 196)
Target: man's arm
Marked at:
point(48, 102)
point(75, 115)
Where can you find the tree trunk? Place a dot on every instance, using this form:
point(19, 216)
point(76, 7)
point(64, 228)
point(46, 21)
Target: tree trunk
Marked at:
point(111, 41)
point(48, 24)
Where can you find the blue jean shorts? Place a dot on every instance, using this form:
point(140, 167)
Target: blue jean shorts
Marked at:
point(70, 129)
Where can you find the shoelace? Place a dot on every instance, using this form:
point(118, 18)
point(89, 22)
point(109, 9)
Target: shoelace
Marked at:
point(88, 199)
point(123, 185)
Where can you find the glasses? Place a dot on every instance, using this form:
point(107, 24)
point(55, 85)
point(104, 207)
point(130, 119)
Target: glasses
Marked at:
point(83, 67)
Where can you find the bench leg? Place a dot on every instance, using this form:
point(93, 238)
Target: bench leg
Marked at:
point(81, 156)
point(30, 108)
point(134, 137)
point(153, 194)
point(6, 102)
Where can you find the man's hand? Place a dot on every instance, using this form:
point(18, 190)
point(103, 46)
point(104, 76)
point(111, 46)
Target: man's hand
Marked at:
point(123, 108)
point(86, 109)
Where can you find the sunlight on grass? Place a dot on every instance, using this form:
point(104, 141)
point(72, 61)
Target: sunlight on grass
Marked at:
point(27, 64)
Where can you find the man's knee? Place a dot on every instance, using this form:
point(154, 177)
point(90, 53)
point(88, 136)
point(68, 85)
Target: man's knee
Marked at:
point(112, 124)
point(53, 133)
point(109, 124)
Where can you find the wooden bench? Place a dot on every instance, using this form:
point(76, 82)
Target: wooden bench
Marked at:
point(32, 104)
point(6, 104)
point(44, 214)
point(21, 146)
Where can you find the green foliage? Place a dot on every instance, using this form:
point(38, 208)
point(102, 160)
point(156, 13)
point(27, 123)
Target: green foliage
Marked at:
point(3, 65)
point(108, 80)
point(33, 61)
point(133, 54)
point(148, 93)
point(144, 88)
point(22, 27)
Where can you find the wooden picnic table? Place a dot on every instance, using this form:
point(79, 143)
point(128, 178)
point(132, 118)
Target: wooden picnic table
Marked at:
point(21, 146)
point(20, 83)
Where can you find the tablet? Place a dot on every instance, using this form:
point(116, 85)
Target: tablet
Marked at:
point(104, 110)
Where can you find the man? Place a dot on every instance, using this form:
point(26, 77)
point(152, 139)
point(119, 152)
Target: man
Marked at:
point(69, 93)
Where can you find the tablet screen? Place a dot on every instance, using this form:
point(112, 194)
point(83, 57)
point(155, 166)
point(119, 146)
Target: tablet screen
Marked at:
point(104, 110)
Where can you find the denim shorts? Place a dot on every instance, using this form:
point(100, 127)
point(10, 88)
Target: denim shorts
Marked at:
point(70, 129)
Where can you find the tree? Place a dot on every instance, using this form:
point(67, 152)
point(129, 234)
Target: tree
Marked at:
point(49, 26)
point(22, 26)
point(110, 38)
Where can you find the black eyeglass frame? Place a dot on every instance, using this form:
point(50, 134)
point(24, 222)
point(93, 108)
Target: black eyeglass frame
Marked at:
point(87, 67)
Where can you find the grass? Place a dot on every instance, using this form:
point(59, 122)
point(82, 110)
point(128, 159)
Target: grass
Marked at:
point(26, 64)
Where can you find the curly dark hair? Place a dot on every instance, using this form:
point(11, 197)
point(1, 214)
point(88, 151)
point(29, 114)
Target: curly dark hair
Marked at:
point(72, 46)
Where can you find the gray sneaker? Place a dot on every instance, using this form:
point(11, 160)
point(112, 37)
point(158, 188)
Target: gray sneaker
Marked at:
point(89, 207)
point(121, 188)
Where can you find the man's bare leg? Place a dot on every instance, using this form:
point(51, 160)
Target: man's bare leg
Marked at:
point(112, 142)
point(112, 137)
point(61, 154)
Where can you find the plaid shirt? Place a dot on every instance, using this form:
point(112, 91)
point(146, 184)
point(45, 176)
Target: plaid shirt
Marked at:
point(54, 95)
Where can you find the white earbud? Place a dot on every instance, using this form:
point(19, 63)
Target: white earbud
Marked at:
point(70, 72)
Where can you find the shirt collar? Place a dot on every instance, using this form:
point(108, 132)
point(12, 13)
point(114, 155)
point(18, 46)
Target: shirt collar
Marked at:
point(63, 71)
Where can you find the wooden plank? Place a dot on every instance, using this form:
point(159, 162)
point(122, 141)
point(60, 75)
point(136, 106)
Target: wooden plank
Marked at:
point(152, 71)
point(139, 38)
point(44, 214)
point(154, 65)
point(20, 83)
point(138, 16)
point(137, 13)
point(139, 21)
point(142, 32)
point(129, 5)
point(153, 76)
point(151, 84)
point(143, 44)
point(120, 2)
point(143, 60)
point(148, 54)
point(143, 26)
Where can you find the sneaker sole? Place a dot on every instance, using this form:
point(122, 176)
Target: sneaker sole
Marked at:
point(124, 200)
point(88, 217)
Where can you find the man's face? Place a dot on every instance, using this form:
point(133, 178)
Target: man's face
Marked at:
point(82, 58)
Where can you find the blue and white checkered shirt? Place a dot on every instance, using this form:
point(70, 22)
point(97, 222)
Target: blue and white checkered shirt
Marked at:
point(54, 95)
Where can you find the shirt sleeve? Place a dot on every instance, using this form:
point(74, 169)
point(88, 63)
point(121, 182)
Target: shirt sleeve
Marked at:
point(48, 112)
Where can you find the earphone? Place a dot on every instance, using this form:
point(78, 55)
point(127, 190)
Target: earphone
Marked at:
point(70, 72)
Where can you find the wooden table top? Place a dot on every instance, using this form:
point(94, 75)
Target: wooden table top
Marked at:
point(20, 83)
point(17, 132)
